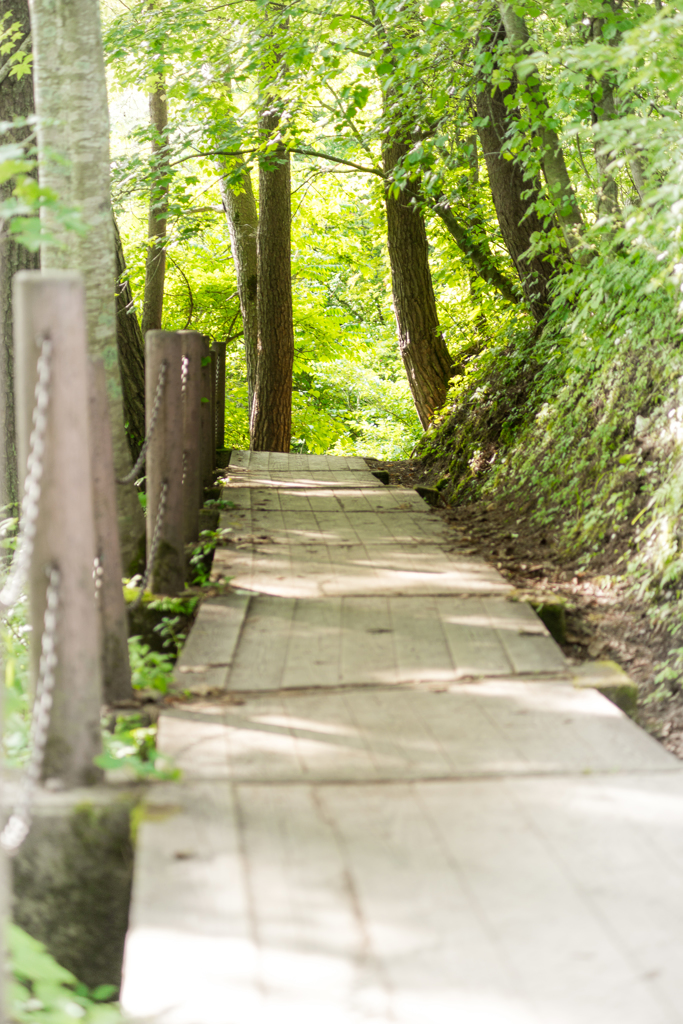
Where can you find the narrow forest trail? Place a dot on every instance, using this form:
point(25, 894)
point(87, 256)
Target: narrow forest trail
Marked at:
point(395, 803)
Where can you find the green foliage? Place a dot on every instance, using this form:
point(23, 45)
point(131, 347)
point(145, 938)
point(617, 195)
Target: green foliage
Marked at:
point(350, 389)
point(173, 605)
point(202, 555)
point(130, 748)
point(669, 677)
point(220, 504)
point(41, 991)
point(576, 423)
point(131, 744)
point(172, 625)
point(17, 705)
point(21, 203)
point(150, 670)
point(171, 632)
point(11, 37)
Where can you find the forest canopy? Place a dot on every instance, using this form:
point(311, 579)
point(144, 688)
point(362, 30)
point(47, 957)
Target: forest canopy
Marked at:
point(537, 146)
point(443, 232)
point(445, 228)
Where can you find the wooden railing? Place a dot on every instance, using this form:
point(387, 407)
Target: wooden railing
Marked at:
point(71, 541)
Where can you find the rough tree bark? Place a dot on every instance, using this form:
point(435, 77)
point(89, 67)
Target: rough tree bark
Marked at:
point(477, 253)
point(555, 170)
point(155, 266)
point(73, 145)
point(131, 350)
point(271, 419)
point(16, 101)
point(508, 185)
point(426, 358)
point(271, 414)
point(604, 109)
point(240, 209)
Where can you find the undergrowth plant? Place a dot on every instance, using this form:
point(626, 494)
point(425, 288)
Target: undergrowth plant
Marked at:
point(17, 703)
point(131, 742)
point(129, 748)
point(580, 429)
point(202, 556)
point(41, 991)
point(150, 670)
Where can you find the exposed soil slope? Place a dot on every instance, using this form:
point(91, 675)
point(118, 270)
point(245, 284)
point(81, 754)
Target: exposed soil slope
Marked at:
point(603, 621)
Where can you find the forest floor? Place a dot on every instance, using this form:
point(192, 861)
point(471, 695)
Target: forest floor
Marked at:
point(603, 620)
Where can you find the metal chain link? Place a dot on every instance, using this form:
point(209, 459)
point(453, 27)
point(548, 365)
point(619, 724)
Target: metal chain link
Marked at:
point(184, 371)
point(98, 576)
point(156, 537)
point(17, 828)
point(140, 461)
point(11, 592)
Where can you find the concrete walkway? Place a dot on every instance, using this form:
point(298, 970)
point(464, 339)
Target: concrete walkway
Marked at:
point(395, 804)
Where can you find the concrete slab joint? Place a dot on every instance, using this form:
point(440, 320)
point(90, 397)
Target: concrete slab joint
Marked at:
point(399, 801)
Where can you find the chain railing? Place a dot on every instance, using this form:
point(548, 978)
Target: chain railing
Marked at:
point(18, 825)
point(184, 370)
point(17, 828)
point(12, 590)
point(58, 347)
point(156, 538)
point(140, 461)
point(98, 576)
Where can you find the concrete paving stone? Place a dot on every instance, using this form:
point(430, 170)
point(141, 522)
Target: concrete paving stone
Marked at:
point(400, 804)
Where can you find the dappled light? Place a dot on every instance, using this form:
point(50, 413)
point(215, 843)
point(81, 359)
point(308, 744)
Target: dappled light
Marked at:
point(468, 729)
point(342, 511)
point(501, 910)
point(399, 776)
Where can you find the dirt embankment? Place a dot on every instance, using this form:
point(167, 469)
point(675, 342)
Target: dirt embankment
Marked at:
point(603, 620)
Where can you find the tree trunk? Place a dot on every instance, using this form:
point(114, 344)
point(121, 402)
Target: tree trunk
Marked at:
point(155, 267)
point(638, 175)
point(131, 349)
point(271, 419)
point(73, 146)
point(240, 209)
point(508, 185)
point(478, 254)
point(607, 198)
point(560, 189)
point(425, 356)
point(16, 100)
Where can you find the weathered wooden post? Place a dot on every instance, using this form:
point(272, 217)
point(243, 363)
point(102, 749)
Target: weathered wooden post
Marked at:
point(219, 348)
point(165, 533)
point(214, 370)
point(108, 571)
point(207, 431)
point(4, 873)
point(49, 323)
point(193, 485)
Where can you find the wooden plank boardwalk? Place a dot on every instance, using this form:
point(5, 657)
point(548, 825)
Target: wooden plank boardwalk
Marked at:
point(395, 806)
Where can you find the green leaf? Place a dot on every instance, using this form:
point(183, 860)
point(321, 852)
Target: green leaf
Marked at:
point(102, 993)
point(31, 960)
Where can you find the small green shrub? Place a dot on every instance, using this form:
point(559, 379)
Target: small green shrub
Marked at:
point(202, 556)
point(41, 991)
point(131, 746)
point(150, 670)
